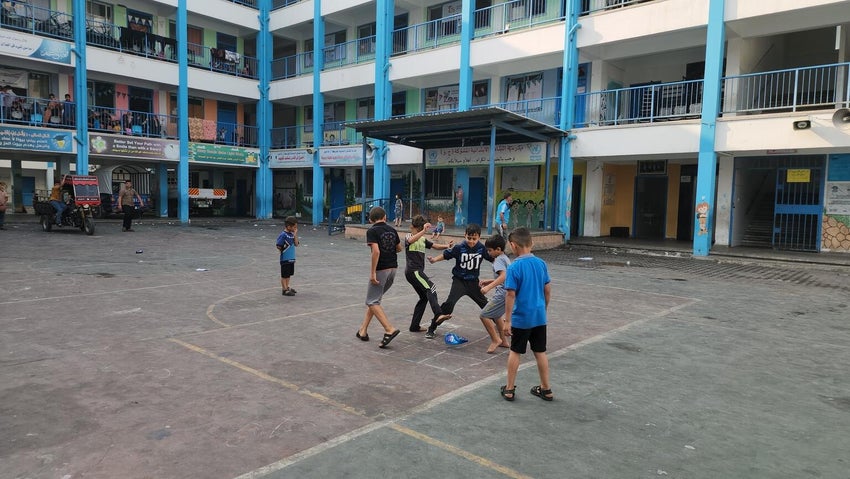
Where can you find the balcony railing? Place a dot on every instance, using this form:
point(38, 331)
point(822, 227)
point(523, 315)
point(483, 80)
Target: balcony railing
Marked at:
point(639, 104)
point(599, 5)
point(36, 20)
point(334, 134)
point(221, 61)
point(544, 110)
point(806, 88)
point(32, 111)
point(292, 66)
point(515, 15)
point(350, 53)
point(284, 3)
point(54, 113)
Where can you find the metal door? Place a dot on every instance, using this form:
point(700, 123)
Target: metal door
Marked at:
point(799, 205)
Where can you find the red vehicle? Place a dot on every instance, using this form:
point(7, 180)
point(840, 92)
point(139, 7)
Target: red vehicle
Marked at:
point(81, 196)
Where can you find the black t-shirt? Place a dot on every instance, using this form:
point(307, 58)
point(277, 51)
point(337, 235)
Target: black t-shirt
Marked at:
point(386, 237)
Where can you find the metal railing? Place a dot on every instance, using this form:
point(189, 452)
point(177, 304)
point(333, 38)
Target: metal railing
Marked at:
point(600, 5)
point(814, 87)
point(301, 136)
point(36, 20)
point(221, 61)
point(638, 104)
point(544, 110)
point(350, 53)
point(515, 15)
point(284, 3)
point(55, 113)
point(292, 66)
point(34, 111)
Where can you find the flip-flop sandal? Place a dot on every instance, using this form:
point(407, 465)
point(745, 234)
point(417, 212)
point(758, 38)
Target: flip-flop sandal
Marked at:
point(365, 337)
point(387, 338)
point(544, 394)
point(505, 391)
point(443, 318)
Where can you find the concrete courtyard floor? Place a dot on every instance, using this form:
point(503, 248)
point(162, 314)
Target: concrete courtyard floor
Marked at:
point(170, 353)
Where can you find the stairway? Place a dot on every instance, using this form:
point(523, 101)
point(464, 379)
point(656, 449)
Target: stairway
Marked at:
point(759, 231)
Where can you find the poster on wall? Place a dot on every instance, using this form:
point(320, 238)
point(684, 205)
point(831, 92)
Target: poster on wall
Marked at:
point(838, 197)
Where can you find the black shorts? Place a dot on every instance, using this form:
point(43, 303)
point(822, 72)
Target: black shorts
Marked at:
point(287, 269)
point(536, 336)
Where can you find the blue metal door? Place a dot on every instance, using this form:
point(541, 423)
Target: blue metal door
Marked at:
point(27, 189)
point(476, 200)
point(799, 205)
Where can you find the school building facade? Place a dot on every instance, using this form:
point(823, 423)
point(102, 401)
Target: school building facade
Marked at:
point(710, 121)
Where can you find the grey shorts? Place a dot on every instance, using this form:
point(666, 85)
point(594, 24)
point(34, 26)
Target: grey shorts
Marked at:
point(494, 309)
point(376, 291)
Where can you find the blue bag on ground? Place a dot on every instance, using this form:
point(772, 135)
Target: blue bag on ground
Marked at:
point(454, 339)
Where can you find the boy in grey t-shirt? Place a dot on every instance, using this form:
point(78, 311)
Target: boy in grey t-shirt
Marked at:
point(492, 316)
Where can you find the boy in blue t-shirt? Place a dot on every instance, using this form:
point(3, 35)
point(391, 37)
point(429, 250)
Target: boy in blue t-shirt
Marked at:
point(526, 300)
point(468, 256)
point(286, 243)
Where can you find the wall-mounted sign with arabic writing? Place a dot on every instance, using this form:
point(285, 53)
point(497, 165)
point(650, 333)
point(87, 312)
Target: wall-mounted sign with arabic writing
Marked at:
point(37, 139)
point(290, 159)
point(506, 155)
point(33, 47)
point(343, 156)
point(231, 155)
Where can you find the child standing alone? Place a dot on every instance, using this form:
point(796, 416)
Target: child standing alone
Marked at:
point(526, 301)
point(438, 230)
point(493, 312)
point(286, 243)
point(414, 246)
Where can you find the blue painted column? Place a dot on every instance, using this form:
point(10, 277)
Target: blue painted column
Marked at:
point(80, 87)
point(705, 207)
point(162, 186)
point(383, 91)
point(264, 190)
point(183, 113)
point(467, 30)
point(564, 192)
point(318, 112)
point(465, 103)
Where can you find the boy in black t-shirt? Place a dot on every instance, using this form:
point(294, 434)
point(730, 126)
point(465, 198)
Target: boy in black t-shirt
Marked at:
point(468, 256)
point(415, 245)
point(385, 245)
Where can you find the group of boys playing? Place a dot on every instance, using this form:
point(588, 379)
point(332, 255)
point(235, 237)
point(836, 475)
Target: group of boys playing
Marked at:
point(521, 297)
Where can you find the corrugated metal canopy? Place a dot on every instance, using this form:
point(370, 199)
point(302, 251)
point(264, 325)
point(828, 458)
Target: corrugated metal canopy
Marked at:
point(455, 129)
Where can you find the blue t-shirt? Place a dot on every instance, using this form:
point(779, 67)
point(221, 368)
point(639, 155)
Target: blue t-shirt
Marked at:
point(505, 208)
point(286, 243)
point(527, 276)
point(467, 259)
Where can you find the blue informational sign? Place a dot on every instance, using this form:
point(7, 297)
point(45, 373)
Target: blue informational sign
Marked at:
point(839, 168)
point(31, 46)
point(36, 139)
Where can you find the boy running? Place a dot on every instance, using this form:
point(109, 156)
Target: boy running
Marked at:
point(414, 246)
point(468, 256)
point(286, 243)
point(491, 315)
point(527, 298)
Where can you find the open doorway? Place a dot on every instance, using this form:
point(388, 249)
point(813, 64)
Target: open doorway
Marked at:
point(650, 207)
